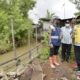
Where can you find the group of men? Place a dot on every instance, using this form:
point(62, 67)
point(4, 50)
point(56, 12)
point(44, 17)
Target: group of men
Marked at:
point(65, 37)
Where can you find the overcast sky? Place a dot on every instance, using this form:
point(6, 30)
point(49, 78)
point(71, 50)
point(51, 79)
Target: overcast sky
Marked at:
point(61, 8)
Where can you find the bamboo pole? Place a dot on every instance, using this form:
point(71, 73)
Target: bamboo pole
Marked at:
point(13, 39)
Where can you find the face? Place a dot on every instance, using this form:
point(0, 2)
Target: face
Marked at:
point(67, 24)
point(55, 22)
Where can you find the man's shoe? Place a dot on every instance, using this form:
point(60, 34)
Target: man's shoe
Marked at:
point(67, 61)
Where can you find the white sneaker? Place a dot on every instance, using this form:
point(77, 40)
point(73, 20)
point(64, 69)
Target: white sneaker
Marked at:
point(52, 66)
point(57, 64)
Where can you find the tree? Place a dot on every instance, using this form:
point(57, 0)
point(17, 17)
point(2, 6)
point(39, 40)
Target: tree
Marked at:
point(77, 3)
point(17, 10)
point(49, 15)
point(25, 6)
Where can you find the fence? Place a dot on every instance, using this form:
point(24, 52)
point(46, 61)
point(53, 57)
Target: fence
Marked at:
point(12, 69)
point(25, 58)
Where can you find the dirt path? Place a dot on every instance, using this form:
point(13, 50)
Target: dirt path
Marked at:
point(62, 72)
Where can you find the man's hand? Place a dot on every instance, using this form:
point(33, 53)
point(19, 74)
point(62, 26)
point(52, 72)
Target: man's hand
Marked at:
point(51, 46)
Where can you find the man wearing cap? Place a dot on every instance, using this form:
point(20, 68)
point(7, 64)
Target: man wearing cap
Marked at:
point(54, 42)
point(66, 40)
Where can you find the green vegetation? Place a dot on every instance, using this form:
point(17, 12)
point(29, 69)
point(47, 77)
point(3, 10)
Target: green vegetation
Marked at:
point(44, 54)
point(77, 3)
point(17, 11)
point(49, 15)
point(45, 40)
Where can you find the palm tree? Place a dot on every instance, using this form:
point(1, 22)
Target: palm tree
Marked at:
point(49, 15)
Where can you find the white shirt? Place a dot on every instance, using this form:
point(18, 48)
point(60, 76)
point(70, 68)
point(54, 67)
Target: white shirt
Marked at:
point(66, 35)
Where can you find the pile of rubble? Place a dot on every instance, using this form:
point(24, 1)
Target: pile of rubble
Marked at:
point(32, 71)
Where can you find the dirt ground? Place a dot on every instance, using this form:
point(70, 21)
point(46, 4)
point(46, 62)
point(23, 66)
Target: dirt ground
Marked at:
point(62, 72)
point(39, 67)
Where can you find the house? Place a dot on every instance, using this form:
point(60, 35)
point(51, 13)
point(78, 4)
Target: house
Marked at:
point(46, 23)
point(37, 31)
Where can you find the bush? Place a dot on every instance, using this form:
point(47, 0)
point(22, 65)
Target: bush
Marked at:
point(45, 38)
point(44, 54)
point(4, 46)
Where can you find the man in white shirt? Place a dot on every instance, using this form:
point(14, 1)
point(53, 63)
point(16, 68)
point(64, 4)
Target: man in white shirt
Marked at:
point(66, 40)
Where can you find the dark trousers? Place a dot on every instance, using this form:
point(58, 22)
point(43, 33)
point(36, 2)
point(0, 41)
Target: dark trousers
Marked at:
point(66, 51)
point(77, 55)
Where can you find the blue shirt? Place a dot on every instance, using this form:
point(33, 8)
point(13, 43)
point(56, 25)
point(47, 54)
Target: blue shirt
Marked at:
point(55, 36)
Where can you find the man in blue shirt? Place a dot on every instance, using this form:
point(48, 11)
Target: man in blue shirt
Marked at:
point(54, 42)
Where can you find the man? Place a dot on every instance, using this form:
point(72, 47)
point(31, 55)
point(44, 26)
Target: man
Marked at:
point(77, 48)
point(77, 44)
point(54, 42)
point(72, 24)
point(66, 40)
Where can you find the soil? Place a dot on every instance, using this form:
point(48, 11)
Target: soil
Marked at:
point(62, 72)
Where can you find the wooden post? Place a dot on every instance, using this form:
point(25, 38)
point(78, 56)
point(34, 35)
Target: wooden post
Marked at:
point(36, 34)
point(13, 39)
point(29, 38)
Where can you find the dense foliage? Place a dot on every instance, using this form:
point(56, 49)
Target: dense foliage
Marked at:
point(44, 54)
point(17, 11)
point(77, 3)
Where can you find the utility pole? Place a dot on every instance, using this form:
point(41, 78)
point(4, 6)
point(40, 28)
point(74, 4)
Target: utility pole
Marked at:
point(64, 8)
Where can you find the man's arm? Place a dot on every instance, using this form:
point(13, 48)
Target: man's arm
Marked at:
point(61, 34)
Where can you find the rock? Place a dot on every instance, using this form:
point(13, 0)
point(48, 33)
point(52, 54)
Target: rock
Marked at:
point(27, 74)
point(33, 72)
point(63, 78)
point(37, 71)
